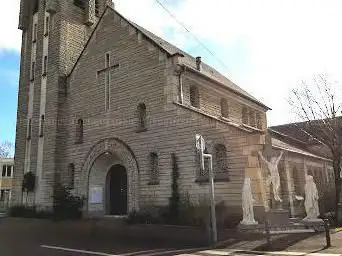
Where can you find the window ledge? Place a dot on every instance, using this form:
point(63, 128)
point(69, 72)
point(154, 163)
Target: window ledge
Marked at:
point(141, 130)
point(223, 177)
point(154, 183)
point(225, 121)
point(252, 127)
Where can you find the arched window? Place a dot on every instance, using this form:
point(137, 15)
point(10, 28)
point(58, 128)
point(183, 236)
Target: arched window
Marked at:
point(80, 3)
point(29, 129)
point(41, 128)
point(35, 6)
point(79, 131)
point(244, 115)
point(97, 7)
point(71, 176)
point(154, 169)
point(258, 121)
point(220, 159)
point(224, 108)
point(194, 97)
point(141, 117)
point(296, 181)
point(252, 121)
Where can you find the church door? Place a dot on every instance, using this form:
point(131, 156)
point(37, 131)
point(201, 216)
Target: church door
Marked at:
point(117, 190)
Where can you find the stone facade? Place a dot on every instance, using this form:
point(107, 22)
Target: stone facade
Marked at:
point(113, 93)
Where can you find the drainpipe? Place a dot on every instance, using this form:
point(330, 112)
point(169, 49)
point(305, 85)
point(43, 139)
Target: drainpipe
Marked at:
point(180, 80)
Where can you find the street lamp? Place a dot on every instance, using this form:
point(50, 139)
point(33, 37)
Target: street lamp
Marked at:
point(200, 145)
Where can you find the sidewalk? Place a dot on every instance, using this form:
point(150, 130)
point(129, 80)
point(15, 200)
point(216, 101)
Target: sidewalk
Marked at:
point(317, 244)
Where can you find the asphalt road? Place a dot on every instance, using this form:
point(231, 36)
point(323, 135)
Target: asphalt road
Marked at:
point(25, 237)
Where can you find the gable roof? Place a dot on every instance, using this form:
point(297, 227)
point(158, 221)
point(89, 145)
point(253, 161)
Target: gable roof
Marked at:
point(188, 60)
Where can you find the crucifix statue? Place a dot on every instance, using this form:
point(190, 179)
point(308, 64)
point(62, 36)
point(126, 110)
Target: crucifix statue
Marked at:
point(273, 177)
point(107, 71)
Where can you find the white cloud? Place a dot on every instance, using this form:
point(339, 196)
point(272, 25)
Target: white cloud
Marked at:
point(286, 40)
point(10, 38)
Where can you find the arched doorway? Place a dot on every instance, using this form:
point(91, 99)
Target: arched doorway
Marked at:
point(116, 190)
point(105, 160)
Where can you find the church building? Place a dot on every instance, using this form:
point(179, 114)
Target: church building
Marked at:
point(104, 104)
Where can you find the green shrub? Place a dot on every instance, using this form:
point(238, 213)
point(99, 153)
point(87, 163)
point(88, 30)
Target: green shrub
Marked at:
point(66, 205)
point(174, 200)
point(28, 212)
point(147, 215)
point(29, 182)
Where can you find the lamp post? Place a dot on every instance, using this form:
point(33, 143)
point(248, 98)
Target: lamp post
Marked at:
point(200, 145)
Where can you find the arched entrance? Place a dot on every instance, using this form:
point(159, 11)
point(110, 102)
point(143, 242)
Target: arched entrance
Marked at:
point(110, 179)
point(116, 190)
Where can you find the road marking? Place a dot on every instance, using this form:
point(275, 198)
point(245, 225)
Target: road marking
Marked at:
point(78, 251)
point(154, 252)
point(254, 253)
point(174, 252)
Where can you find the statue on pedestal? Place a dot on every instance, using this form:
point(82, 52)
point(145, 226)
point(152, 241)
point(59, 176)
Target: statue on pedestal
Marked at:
point(247, 204)
point(311, 199)
point(273, 177)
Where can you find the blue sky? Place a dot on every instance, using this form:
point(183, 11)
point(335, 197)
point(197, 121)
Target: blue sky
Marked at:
point(267, 47)
point(9, 77)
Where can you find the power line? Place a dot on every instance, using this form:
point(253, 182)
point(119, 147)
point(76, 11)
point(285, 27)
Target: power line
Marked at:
point(192, 34)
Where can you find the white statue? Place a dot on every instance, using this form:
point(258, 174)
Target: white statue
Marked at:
point(311, 199)
point(247, 204)
point(273, 177)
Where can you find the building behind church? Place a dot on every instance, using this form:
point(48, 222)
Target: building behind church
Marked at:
point(6, 179)
point(104, 103)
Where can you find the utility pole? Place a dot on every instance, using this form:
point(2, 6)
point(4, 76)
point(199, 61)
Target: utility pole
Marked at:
point(200, 145)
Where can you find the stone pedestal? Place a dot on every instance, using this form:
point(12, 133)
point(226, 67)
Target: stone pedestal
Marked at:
point(316, 224)
point(278, 216)
point(250, 228)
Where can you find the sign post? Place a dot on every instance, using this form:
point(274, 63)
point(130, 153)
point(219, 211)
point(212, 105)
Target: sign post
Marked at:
point(200, 145)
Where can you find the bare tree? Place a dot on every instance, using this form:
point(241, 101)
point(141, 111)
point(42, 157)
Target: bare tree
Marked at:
point(318, 107)
point(6, 148)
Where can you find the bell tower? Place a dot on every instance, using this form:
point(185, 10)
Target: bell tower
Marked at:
point(54, 33)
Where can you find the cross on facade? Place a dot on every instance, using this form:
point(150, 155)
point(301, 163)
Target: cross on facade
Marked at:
point(107, 70)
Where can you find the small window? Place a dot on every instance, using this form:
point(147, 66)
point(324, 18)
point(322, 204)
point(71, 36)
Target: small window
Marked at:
point(220, 160)
point(33, 70)
point(35, 33)
point(9, 171)
point(79, 131)
point(71, 175)
point(2, 195)
point(80, 3)
point(244, 115)
point(252, 121)
point(107, 60)
point(154, 169)
point(41, 128)
point(258, 121)
point(224, 108)
point(194, 97)
point(141, 117)
point(4, 171)
point(47, 26)
point(45, 60)
point(29, 129)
